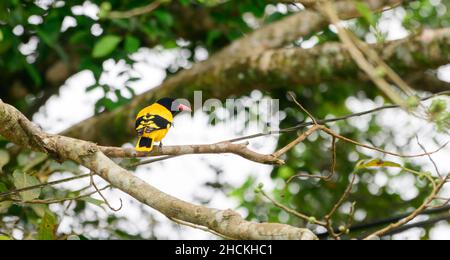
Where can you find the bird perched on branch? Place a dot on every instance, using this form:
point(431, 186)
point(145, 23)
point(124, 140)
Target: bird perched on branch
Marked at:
point(154, 121)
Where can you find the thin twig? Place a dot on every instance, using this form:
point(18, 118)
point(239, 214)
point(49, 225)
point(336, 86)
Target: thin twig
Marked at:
point(294, 143)
point(429, 157)
point(291, 94)
point(325, 178)
point(332, 133)
point(293, 212)
point(8, 193)
point(54, 201)
point(103, 197)
point(329, 216)
point(150, 161)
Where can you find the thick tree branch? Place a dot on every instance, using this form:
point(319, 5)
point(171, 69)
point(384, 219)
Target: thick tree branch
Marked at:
point(330, 61)
point(225, 222)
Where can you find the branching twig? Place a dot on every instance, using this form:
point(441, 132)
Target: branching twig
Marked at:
point(329, 216)
point(429, 157)
point(294, 143)
point(325, 178)
point(310, 219)
point(103, 197)
point(291, 94)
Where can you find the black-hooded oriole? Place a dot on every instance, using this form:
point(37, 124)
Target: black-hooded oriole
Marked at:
point(154, 121)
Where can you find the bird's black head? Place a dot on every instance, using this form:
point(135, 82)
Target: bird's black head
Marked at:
point(173, 105)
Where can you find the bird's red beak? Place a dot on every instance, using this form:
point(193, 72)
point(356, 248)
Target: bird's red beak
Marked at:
point(183, 108)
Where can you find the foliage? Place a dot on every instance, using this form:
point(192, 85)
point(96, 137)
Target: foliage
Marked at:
point(36, 35)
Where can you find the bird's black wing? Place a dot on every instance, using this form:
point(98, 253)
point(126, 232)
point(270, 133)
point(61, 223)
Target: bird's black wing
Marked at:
point(150, 123)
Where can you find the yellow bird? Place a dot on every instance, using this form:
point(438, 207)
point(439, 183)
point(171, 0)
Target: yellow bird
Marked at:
point(154, 121)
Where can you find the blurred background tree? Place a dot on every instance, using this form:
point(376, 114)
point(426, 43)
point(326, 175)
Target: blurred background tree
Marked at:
point(241, 49)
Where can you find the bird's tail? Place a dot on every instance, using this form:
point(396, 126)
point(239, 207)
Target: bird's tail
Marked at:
point(144, 144)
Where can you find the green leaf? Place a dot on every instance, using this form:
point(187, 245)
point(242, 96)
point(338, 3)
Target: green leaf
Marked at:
point(1, 35)
point(132, 44)
point(285, 172)
point(105, 103)
point(22, 180)
point(3, 187)
point(413, 102)
point(212, 36)
point(78, 37)
point(438, 106)
point(4, 237)
point(67, 166)
point(47, 228)
point(378, 163)
point(4, 158)
point(39, 209)
point(185, 2)
point(35, 160)
point(105, 8)
point(93, 201)
point(34, 74)
point(365, 11)
point(4, 206)
point(73, 237)
point(105, 46)
point(164, 17)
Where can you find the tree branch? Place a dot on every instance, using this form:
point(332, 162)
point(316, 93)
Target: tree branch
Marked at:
point(225, 222)
point(217, 148)
point(377, 223)
point(425, 223)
